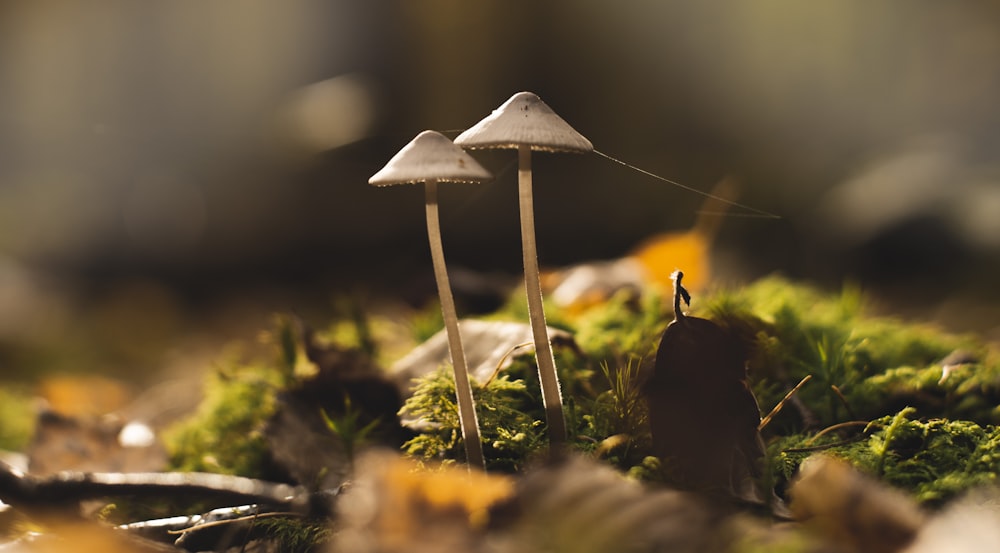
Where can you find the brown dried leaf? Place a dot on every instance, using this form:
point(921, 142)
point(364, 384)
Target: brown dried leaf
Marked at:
point(581, 506)
point(395, 505)
point(703, 415)
point(852, 509)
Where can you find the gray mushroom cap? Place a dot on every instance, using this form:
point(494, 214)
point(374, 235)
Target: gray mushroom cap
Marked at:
point(430, 156)
point(524, 119)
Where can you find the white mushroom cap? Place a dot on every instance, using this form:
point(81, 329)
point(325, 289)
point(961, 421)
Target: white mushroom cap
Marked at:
point(524, 119)
point(430, 156)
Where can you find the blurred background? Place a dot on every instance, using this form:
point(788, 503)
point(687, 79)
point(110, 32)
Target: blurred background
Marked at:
point(176, 170)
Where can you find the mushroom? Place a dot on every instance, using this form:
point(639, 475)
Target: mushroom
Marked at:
point(526, 123)
point(431, 158)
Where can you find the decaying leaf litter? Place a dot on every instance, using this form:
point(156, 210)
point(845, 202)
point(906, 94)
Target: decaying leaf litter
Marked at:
point(906, 405)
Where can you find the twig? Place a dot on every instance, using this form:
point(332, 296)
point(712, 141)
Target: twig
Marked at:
point(246, 540)
point(255, 515)
point(500, 363)
point(843, 399)
point(777, 408)
point(837, 426)
point(821, 447)
point(17, 488)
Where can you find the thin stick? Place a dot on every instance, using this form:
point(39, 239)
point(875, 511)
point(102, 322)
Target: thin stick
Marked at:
point(245, 518)
point(18, 489)
point(551, 396)
point(246, 538)
point(463, 388)
point(822, 447)
point(837, 426)
point(510, 352)
point(843, 399)
point(777, 408)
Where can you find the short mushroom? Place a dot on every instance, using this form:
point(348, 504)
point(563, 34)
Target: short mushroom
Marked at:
point(526, 123)
point(431, 158)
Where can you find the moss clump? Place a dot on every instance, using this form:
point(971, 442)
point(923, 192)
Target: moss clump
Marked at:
point(511, 424)
point(615, 423)
point(225, 434)
point(933, 459)
point(863, 367)
point(969, 392)
point(295, 535)
point(604, 412)
point(623, 329)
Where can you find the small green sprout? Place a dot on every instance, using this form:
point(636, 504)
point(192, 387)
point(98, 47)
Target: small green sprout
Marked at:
point(347, 429)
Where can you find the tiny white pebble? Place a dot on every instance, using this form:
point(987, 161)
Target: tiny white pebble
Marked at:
point(136, 434)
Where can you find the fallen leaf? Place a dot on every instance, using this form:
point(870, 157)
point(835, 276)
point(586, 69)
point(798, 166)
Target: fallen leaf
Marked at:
point(851, 509)
point(84, 395)
point(574, 504)
point(703, 415)
point(397, 505)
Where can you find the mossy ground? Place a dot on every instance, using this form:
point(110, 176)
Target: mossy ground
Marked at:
point(879, 395)
point(866, 372)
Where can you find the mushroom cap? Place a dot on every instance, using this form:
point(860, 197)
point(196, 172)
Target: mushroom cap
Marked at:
point(524, 119)
point(430, 156)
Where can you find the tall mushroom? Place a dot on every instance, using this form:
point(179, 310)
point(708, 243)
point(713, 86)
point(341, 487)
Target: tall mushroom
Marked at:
point(431, 158)
point(526, 123)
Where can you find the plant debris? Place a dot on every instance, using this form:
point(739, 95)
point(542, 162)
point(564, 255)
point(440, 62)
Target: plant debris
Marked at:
point(703, 415)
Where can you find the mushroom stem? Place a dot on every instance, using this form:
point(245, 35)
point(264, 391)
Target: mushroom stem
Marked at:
point(463, 388)
point(543, 349)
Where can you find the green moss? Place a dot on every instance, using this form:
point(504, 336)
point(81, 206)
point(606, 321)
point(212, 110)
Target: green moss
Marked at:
point(969, 392)
point(295, 535)
point(17, 419)
point(510, 421)
point(516, 309)
point(225, 434)
point(878, 364)
point(614, 425)
point(623, 329)
point(863, 368)
point(931, 436)
point(933, 459)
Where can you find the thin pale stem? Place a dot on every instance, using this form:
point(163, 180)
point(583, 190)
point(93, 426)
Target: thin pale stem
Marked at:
point(781, 404)
point(463, 388)
point(543, 349)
